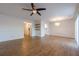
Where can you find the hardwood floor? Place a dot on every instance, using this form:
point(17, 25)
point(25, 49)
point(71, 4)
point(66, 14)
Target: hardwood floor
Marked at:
point(36, 46)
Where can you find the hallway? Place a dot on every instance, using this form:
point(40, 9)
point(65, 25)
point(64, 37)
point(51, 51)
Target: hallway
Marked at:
point(36, 46)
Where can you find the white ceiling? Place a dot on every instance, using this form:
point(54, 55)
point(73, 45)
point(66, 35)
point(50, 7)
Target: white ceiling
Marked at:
point(52, 10)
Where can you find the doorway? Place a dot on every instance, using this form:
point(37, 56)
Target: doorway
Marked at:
point(27, 29)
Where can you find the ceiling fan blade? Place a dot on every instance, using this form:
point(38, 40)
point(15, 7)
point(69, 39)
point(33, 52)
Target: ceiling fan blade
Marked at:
point(31, 14)
point(27, 9)
point(38, 13)
point(40, 9)
point(32, 4)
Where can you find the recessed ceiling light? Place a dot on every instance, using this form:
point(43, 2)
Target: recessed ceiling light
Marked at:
point(57, 24)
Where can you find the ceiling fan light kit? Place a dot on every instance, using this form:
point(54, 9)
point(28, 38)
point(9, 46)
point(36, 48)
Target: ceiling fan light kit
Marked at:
point(34, 10)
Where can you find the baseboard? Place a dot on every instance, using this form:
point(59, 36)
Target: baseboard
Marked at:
point(11, 39)
point(62, 36)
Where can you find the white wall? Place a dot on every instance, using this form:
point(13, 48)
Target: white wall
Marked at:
point(77, 25)
point(33, 29)
point(42, 28)
point(66, 28)
point(77, 30)
point(10, 28)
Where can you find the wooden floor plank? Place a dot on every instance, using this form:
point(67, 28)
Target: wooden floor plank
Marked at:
point(36, 46)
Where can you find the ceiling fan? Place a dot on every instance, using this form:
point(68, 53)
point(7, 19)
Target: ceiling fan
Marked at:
point(34, 9)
